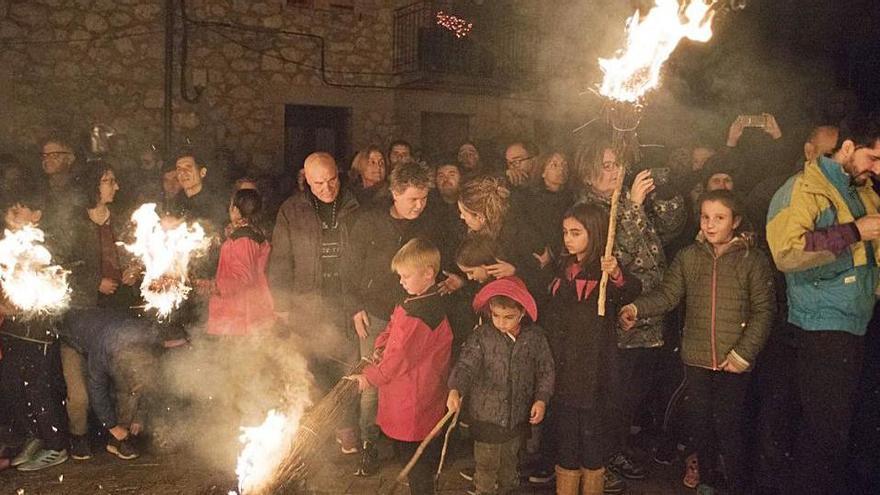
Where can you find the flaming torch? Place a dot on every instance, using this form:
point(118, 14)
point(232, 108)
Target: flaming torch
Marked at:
point(634, 71)
point(29, 279)
point(283, 449)
point(165, 249)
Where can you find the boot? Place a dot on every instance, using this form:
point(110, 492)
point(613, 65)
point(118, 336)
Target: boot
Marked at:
point(567, 481)
point(369, 460)
point(593, 481)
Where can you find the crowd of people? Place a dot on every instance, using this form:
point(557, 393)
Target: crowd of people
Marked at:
point(722, 334)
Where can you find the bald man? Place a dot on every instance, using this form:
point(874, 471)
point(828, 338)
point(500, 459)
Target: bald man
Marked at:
point(310, 237)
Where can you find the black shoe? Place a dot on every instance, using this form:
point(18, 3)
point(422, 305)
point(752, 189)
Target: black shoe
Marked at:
point(122, 449)
point(626, 467)
point(665, 454)
point(542, 476)
point(467, 473)
point(80, 448)
point(369, 461)
point(613, 484)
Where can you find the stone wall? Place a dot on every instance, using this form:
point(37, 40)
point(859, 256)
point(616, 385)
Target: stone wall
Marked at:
point(69, 63)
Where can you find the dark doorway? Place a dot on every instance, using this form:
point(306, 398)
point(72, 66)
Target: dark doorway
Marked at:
point(443, 133)
point(309, 128)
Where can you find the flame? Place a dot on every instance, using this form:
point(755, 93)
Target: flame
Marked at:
point(635, 69)
point(165, 250)
point(28, 278)
point(265, 447)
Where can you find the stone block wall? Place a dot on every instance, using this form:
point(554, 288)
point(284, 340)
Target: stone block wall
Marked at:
point(66, 64)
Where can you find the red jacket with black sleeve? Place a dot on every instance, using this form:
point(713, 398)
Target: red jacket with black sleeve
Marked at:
point(411, 377)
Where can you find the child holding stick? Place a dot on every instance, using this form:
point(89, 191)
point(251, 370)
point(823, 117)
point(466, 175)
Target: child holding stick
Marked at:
point(585, 350)
point(507, 371)
point(415, 351)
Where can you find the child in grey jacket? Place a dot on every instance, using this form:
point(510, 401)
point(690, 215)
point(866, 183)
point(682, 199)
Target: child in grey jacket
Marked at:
point(507, 371)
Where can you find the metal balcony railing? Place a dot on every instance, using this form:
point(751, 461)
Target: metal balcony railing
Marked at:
point(496, 50)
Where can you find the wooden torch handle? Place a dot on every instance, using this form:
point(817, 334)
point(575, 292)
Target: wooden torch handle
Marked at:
point(609, 245)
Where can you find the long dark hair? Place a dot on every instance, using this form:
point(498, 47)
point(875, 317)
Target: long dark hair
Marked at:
point(249, 203)
point(595, 221)
point(91, 180)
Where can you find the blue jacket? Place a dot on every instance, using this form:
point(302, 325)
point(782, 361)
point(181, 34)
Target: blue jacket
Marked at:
point(831, 274)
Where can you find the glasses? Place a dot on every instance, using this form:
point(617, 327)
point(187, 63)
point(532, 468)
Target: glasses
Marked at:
point(54, 154)
point(517, 161)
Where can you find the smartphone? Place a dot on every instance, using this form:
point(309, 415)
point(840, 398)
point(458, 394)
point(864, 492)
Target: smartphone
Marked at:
point(753, 120)
point(660, 176)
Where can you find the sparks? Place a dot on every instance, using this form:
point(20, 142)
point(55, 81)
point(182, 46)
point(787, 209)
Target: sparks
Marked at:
point(28, 278)
point(635, 69)
point(165, 249)
point(458, 26)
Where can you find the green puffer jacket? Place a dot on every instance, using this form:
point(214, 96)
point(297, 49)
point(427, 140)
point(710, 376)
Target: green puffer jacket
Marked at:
point(729, 301)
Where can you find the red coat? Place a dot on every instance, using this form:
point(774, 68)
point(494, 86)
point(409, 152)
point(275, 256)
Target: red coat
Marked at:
point(412, 374)
point(241, 303)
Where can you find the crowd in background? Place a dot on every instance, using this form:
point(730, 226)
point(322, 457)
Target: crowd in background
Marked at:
point(737, 298)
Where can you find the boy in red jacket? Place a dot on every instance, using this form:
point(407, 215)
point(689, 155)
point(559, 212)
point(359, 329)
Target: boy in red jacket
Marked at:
point(415, 351)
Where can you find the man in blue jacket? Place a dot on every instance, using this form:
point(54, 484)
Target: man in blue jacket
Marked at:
point(823, 228)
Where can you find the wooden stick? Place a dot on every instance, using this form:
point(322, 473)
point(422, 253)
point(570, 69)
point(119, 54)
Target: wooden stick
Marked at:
point(609, 243)
point(446, 444)
point(421, 450)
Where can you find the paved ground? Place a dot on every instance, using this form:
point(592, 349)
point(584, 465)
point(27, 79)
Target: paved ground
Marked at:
point(180, 474)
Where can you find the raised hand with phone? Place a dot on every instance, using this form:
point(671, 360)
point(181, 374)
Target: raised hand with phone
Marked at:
point(765, 121)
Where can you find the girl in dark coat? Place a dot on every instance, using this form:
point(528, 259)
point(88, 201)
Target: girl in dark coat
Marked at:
point(585, 349)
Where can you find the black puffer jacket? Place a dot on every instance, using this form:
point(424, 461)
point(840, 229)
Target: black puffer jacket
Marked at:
point(501, 377)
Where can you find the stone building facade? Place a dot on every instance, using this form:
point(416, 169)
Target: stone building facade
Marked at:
point(68, 64)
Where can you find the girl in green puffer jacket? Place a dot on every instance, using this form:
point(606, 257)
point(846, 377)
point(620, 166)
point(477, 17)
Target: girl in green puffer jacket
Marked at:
point(727, 287)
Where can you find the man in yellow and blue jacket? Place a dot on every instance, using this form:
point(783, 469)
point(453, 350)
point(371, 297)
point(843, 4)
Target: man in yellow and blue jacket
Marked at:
point(823, 228)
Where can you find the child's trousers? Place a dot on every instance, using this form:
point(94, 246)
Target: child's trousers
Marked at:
point(497, 463)
point(31, 374)
point(715, 403)
point(421, 478)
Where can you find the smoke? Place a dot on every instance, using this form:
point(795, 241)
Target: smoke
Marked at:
point(210, 389)
point(744, 69)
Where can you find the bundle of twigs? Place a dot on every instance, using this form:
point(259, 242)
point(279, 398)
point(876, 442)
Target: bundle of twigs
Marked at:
point(624, 119)
point(316, 425)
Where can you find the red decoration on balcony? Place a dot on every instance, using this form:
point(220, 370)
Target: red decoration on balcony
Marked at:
point(458, 26)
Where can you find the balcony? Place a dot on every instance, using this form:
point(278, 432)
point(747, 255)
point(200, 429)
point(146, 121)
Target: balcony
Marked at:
point(496, 53)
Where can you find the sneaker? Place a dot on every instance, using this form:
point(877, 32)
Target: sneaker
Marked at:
point(542, 476)
point(467, 473)
point(80, 448)
point(347, 440)
point(691, 472)
point(122, 449)
point(27, 453)
point(665, 454)
point(613, 483)
point(369, 461)
point(44, 459)
point(626, 467)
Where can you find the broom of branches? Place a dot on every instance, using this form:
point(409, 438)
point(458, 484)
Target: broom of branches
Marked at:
point(316, 425)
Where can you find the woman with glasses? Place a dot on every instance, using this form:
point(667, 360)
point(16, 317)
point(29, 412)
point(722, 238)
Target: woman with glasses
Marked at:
point(647, 216)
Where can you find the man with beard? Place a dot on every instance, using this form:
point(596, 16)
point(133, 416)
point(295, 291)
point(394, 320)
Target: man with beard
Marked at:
point(823, 229)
